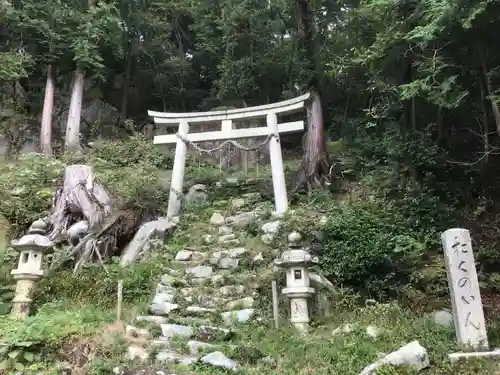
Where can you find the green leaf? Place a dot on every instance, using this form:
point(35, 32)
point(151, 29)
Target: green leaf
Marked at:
point(4, 365)
point(4, 308)
point(26, 344)
point(19, 366)
point(13, 354)
point(29, 356)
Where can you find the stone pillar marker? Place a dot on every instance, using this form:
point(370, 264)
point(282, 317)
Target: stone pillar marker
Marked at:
point(296, 262)
point(31, 248)
point(468, 314)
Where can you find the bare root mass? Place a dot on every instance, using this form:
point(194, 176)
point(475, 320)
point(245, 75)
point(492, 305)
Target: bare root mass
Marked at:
point(83, 207)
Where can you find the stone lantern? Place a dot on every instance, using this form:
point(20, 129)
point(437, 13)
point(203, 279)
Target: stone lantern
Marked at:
point(296, 261)
point(31, 248)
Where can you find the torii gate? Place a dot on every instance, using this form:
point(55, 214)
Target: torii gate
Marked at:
point(269, 111)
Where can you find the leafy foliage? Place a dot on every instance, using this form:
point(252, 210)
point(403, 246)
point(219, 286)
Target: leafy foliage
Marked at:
point(134, 150)
point(410, 92)
point(101, 291)
point(24, 344)
point(26, 188)
point(368, 246)
point(16, 358)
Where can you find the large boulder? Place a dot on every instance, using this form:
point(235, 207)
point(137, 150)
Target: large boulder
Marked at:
point(156, 229)
point(197, 193)
point(95, 111)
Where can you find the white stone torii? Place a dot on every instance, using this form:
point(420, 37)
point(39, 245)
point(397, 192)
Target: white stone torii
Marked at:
point(226, 117)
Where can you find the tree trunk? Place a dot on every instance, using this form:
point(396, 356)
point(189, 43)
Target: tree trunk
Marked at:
point(72, 142)
point(486, 144)
point(439, 124)
point(48, 108)
point(306, 45)
point(314, 170)
point(126, 84)
point(489, 88)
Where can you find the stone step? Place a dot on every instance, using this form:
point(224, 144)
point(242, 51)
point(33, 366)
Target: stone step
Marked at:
point(231, 290)
point(137, 333)
point(242, 303)
point(191, 258)
point(193, 254)
point(170, 330)
point(190, 321)
point(205, 300)
point(197, 347)
point(213, 333)
point(136, 352)
point(157, 321)
point(151, 319)
point(204, 333)
point(218, 359)
point(237, 316)
point(198, 310)
point(167, 356)
point(228, 240)
point(215, 358)
point(209, 354)
point(190, 255)
point(200, 272)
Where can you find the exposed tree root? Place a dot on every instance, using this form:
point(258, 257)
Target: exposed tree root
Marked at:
point(314, 172)
point(83, 199)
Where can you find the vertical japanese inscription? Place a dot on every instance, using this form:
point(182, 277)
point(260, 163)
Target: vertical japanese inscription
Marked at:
point(299, 310)
point(464, 288)
point(464, 284)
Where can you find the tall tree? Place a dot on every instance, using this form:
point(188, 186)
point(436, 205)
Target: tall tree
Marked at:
point(99, 25)
point(47, 24)
point(314, 170)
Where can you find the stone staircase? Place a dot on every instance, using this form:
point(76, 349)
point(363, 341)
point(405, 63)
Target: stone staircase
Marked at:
point(208, 292)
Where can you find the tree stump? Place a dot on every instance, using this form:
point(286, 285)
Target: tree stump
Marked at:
point(83, 198)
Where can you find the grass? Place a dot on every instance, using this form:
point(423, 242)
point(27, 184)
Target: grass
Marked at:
point(322, 353)
point(82, 316)
point(55, 332)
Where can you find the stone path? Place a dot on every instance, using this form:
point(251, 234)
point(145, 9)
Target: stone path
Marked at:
point(204, 297)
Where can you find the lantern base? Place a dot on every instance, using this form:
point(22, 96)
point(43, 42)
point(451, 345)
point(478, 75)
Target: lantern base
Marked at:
point(299, 312)
point(22, 300)
point(301, 327)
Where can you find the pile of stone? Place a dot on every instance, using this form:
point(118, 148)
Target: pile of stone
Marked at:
point(205, 296)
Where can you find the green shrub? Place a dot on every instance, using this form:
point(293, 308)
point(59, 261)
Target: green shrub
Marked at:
point(26, 343)
point(134, 172)
point(371, 247)
point(124, 153)
point(26, 188)
point(139, 187)
point(129, 169)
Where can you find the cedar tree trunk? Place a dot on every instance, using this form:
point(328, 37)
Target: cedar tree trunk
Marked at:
point(48, 108)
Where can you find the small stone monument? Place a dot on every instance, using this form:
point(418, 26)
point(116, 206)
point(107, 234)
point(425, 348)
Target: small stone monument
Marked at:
point(296, 261)
point(31, 248)
point(468, 315)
